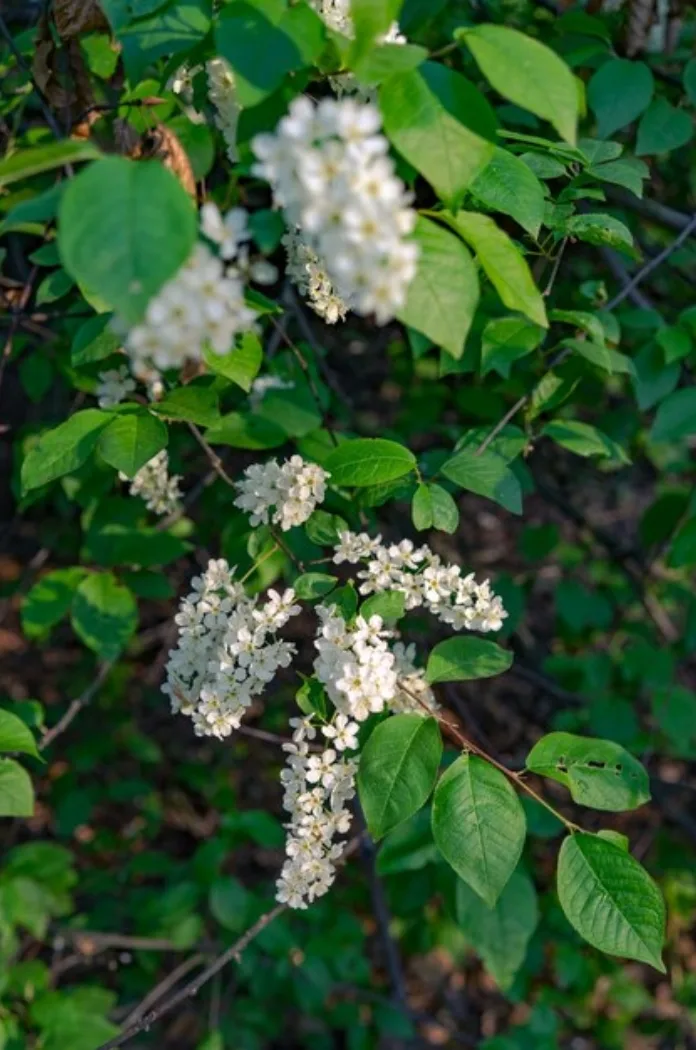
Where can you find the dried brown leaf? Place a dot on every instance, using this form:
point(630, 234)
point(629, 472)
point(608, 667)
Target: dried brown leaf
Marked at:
point(161, 143)
point(74, 17)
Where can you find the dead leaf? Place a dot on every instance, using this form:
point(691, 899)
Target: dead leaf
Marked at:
point(161, 143)
point(74, 17)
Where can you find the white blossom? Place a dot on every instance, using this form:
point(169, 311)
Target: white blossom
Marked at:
point(283, 495)
point(114, 386)
point(330, 173)
point(354, 663)
point(156, 486)
point(227, 650)
point(306, 270)
point(222, 93)
point(424, 579)
point(317, 787)
point(202, 305)
point(413, 694)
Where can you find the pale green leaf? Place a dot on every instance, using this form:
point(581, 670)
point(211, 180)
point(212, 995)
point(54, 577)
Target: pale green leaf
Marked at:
point(15, 735)
point(508, 185)
point(33, 161)
point(16, 791)
point(463, 658)
point(500, 935)
point(132, 440)
point(63, 449)
point(368, 461)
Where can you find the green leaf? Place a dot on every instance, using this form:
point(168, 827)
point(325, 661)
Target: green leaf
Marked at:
point(241, 365)
point(53, 287)
point(311, 697)
point(611, 900)
point(618, 93)
point(104, 614)
point(125, 228)
point(676, 416)
point(500, 935)
point(371, 19)
point(508, 185)
point(479, 825)
point(461, 659)
point(433, 507)
point(192, 404)
point(387, 60)
point(689, 80)
point(503, 263)
point(398, 767)
point(600, 229)
point(390, 605)
point(229, 903)
point(443, 296)
point(662, 128)
point(114, 544)
point(63, 449)
point(15, 735)
point(368, 461)
point(197, 140)
point(323, 528)
point(93, 341)
point(584, 440)
point(526, 72)
point(16, 792)
point(675, 341)
point(130, 441)
point(33, 161)
point(441, 124)
point(628, 172)
point(487, 475)
point(263, 41)
point(683, 550)
point(505, 340)
point(312, 585)
point(246, 430)
point(602, 356)
point(177, 27)
point(598, 773)
point(49, 600)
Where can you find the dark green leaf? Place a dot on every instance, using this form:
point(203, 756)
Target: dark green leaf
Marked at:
point(598, 773)
point(16, 792)
point(63, 449)
point(500, 935)
point(368, 461)
point(49, 600)
point(676, 416)
point(192, 403)
point(242, 364)
point(312, 585)
point(611, 900)
point(662, 128)
point(33, 161)
point(618, 93)
point(15, 735)
point(104, 614)
point(130, 441)
point(507, 185)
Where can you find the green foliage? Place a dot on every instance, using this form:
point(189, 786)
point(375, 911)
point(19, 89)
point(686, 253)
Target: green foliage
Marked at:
point(610, 899)
point(368, 461)
point(398, 767)
point(463, 659)
point(598, 773)
point(478, 825)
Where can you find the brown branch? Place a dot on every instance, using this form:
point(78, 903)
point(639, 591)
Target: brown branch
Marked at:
point(76, 706)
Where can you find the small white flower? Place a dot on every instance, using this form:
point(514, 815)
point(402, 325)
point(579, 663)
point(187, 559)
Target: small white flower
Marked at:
point(282, 495)
point(114, 386)
point(156, 486)
point(342, 732)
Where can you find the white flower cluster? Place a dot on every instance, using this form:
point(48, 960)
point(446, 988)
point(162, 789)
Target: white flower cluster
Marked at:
point(227, 651)
point(203, 304)
point(290, 491)
point(223, 95)
point(424, 579)
point(114, 386)
point(354, 663)
point(154, 484)
point(330, 173)
point(336, 15)
point(317, 787)
point(306, 270)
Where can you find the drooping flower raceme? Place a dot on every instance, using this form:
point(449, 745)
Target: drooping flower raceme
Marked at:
point(331, 175)
point(156, 486)
point(306, 270)
point(227, 651)
point(318, 784)
point(282, 495)
point(202, 305)
point(424, 579)
point(114, 386)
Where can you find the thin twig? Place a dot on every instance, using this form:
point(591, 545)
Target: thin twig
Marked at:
point(163, 987)
point(215, 461)
point(76, 706)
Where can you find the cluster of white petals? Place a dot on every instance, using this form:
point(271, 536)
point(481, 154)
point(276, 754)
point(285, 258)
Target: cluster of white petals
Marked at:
point(202, 305)
point(424, 579)
point(318, 784)
point(156, 486)
point(222, 93)
point(337, 15)
point(354, 663)
point(227, 650)
point(114, 386)
point(306, 270)
point(283, 495)
point(330, 173)
point(413, 694)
